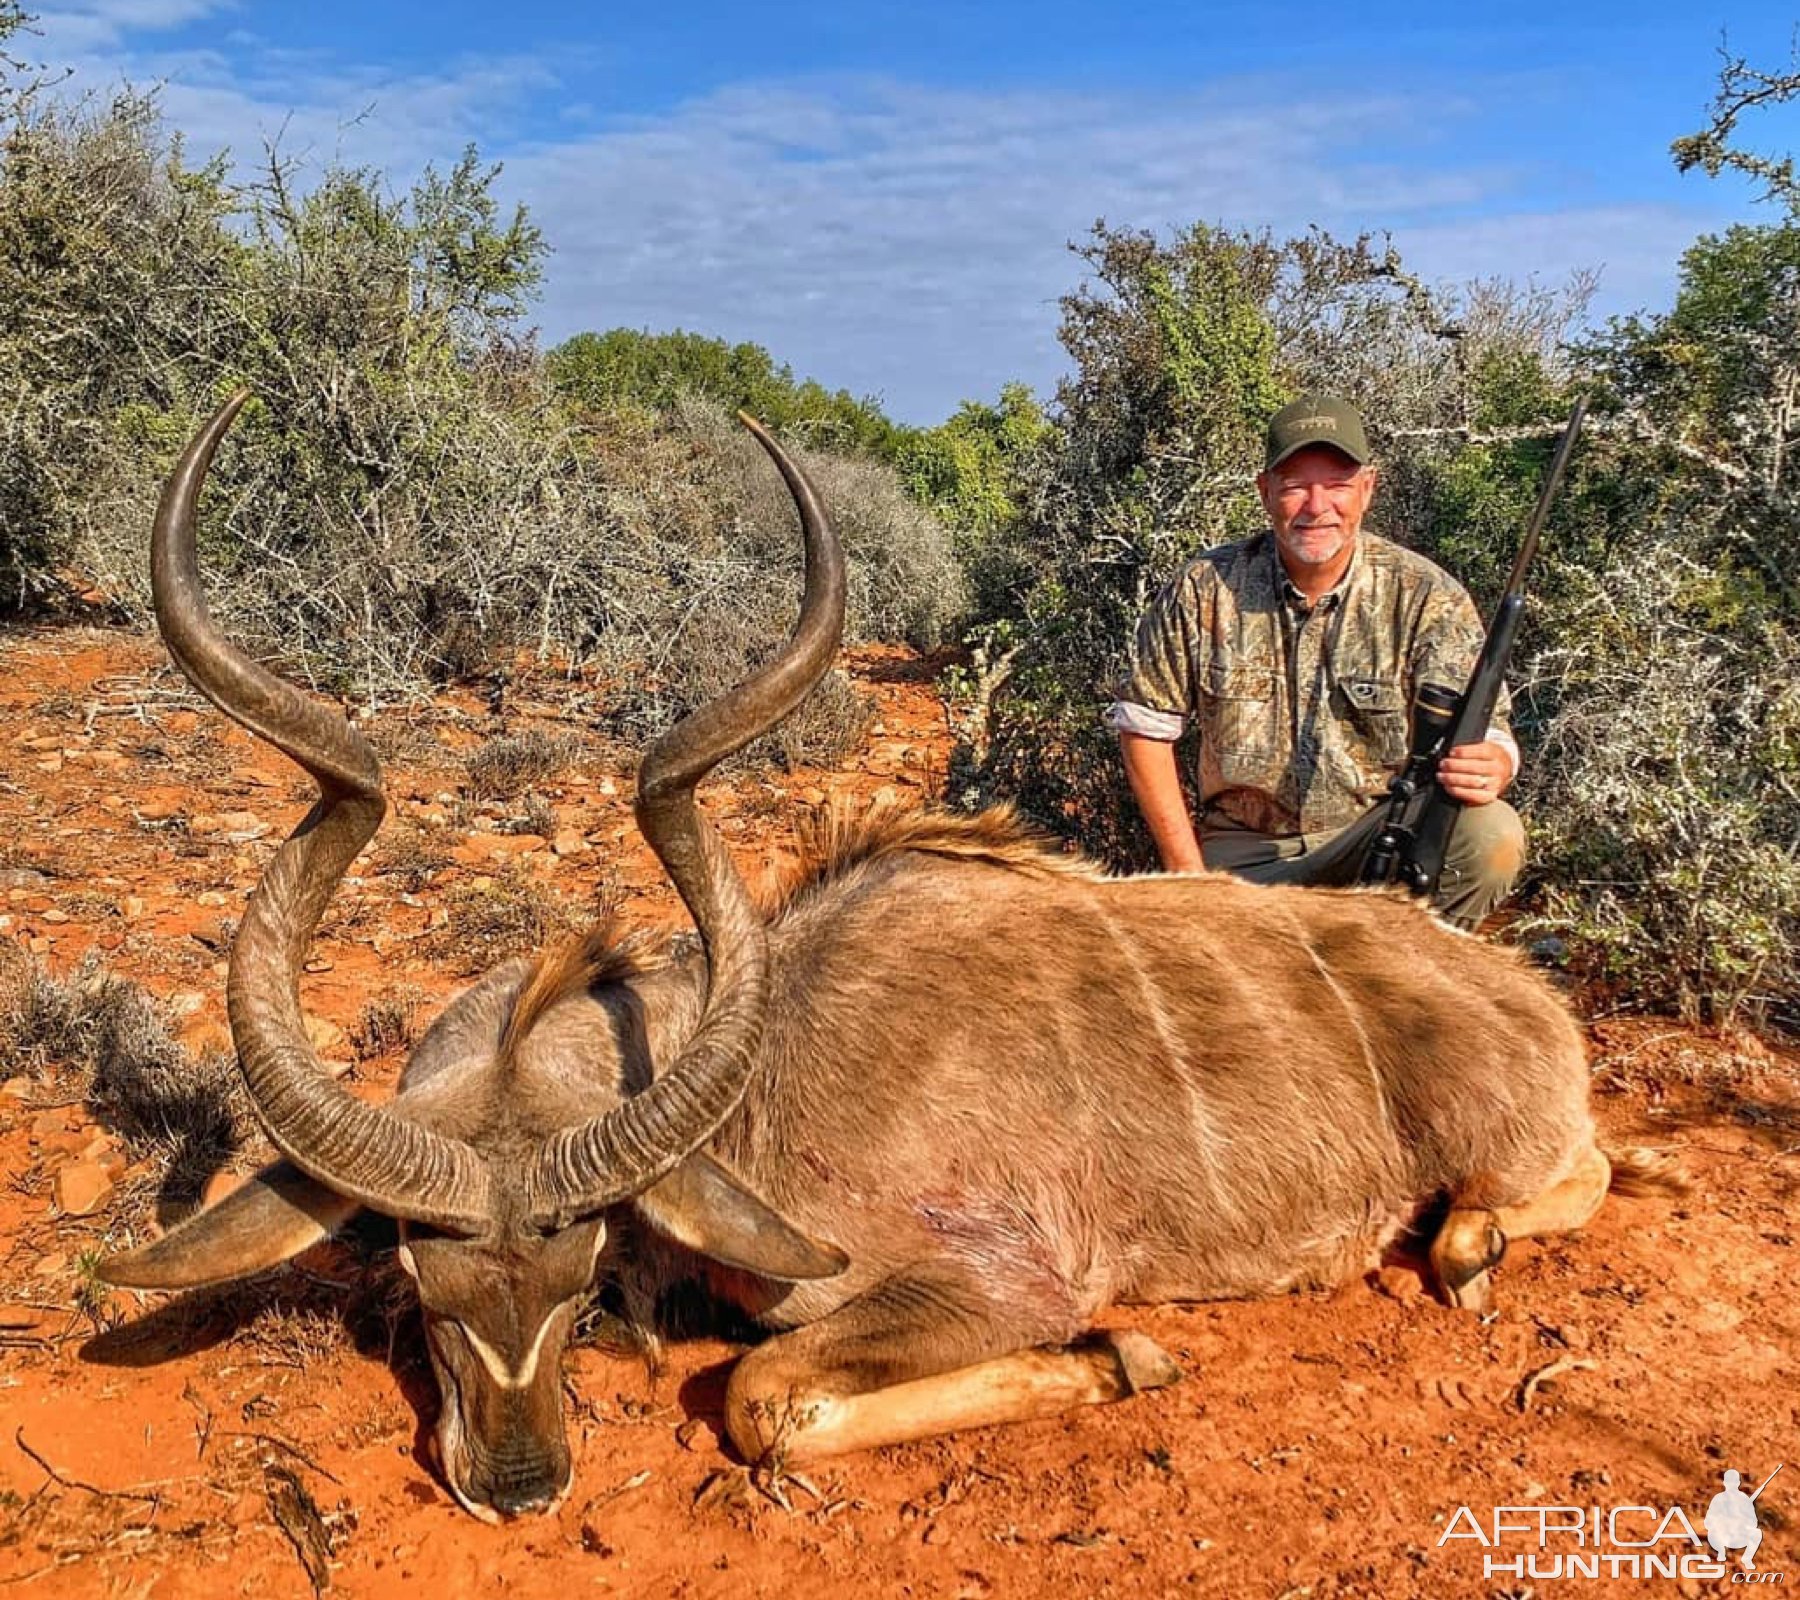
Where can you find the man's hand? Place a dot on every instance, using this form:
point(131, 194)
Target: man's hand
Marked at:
point(1476, 773)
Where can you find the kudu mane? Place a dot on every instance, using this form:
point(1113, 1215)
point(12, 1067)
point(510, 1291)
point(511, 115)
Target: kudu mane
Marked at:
point(833, 845)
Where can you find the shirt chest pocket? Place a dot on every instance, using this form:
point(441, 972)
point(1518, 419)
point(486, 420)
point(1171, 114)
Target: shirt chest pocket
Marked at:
point(1238, 712)
point(1375, 709)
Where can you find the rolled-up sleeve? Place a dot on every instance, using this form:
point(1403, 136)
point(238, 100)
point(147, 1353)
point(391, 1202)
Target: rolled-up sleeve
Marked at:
point(1126, 716)
point(1156, 698)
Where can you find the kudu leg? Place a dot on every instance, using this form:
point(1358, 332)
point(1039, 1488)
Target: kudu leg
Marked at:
point(898, 1363)
point(1473, 1238)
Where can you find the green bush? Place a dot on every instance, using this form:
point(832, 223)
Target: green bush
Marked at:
point(626, 366)
point(118, 281)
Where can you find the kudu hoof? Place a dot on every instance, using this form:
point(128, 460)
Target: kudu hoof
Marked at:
point(1464, 1274)
point(1140, 1362)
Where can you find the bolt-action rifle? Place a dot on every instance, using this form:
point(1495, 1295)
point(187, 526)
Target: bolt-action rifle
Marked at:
point(1405, 837)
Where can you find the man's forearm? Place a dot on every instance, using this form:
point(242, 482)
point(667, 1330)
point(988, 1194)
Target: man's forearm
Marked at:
point(1156, 784)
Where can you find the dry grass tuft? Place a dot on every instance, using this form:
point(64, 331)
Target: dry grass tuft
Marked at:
point(504, 768)
point(495, 918)
point(102, 1037)
point(387, 1025)
point(412, 854)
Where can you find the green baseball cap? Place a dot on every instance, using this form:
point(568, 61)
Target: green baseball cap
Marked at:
point(1317, 419)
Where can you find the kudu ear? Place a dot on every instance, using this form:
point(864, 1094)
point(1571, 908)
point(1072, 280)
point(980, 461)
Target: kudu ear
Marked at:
point(277, 1214)
point(704, 1207)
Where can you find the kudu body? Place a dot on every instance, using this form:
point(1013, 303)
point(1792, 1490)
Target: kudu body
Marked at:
point(923, 1118)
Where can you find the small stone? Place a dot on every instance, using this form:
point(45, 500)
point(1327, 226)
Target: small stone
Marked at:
point(211, 899)
point(47, 1123)
point(568, 843)
point(155, 810)
point(133, 906)
point(607, 787)
point(16, 1088)
point(242, 825)
point(82, 1188)
point(66, 1142)
point(50, 1265)
point(54, 917)
point(211, 933)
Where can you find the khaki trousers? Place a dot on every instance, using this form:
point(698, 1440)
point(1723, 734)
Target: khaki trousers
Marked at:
point(1483, 862)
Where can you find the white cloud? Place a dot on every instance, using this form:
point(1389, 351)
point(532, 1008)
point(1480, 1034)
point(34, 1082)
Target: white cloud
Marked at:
point(879, 235)
point(70, 31)
point(911, 241)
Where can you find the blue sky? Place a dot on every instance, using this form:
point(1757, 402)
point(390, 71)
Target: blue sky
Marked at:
point(883, 194)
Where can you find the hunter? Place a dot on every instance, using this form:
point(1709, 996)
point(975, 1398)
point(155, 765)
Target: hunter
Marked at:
point(1297, 653)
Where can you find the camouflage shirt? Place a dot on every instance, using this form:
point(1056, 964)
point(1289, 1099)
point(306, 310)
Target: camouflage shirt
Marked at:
point(1303, 715)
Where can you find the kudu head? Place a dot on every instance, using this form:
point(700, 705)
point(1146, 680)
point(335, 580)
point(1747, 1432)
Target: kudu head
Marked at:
point(528, 1111)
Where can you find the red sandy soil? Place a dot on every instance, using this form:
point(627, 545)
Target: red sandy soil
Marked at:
point(1319, 1444)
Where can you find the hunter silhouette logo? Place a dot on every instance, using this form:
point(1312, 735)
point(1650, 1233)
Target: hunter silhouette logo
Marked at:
point(1731, 1520)
point(1636, 1541)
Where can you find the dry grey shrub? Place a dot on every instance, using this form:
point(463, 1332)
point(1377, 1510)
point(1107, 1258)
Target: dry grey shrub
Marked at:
point(665, 555)
point(1665, 798)
point(711, 570)
point(533, 815)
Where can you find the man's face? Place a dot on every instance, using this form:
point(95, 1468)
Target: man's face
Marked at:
point(1316, 500)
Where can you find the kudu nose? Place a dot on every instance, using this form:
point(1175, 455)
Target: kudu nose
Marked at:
point(523, 1500)
point(520, 1487)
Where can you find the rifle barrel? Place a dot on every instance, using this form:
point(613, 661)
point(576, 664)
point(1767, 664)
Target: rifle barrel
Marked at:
point(1515, 584)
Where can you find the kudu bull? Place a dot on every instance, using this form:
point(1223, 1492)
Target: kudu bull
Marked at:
point(921, 1119)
